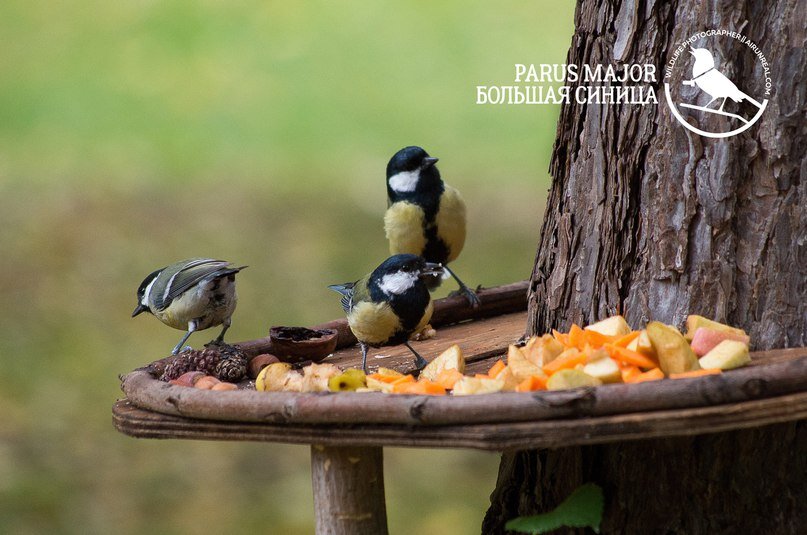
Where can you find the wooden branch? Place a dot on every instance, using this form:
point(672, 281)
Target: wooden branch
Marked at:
point(744, 384)
point(348, 487)
point(141, 423)
point(447, 311)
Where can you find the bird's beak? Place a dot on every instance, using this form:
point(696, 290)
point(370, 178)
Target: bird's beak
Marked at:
point(431, 269)
point(691, 51)
point(428, 162)
point(138, 309)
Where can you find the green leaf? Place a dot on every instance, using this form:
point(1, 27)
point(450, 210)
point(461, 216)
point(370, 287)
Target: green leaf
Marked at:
point(583, 508)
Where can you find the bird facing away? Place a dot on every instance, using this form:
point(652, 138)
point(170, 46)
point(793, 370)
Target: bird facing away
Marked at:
point(193, 294)
point(706, 76)
point(425, 216)
point(385, 307)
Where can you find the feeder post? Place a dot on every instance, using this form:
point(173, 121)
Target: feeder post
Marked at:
point(348, 483)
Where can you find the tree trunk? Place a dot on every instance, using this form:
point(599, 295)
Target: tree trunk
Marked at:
point(650, 220)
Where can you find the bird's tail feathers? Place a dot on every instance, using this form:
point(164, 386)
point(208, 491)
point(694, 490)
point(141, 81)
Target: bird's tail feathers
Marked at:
point(345, 289)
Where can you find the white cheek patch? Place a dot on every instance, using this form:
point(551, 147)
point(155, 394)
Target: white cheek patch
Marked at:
point(398, 283)
point(147, 292)
point(405, 181)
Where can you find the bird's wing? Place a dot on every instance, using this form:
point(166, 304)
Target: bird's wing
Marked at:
point(719, 85)
point(188, 275)
point(451, 221)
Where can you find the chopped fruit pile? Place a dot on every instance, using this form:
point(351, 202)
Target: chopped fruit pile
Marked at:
point(606, 352)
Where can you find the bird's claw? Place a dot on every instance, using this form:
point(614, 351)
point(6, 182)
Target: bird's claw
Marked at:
point(472, 298)
point(420, 363)
point(468, 294)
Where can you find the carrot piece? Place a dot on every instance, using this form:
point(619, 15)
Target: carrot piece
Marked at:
point(577, 337)
point(652, 375)
point(448, 378)
point(532, 383)
point(392, 379)
point(409, 378)
point(481, 376)
point(629, 373)
point(696, 373)
point(568, 359)
point(629, 357)
point(627, 339)
point(597, 340)
point(421, 387)
point(496, 368)
point(560, 337)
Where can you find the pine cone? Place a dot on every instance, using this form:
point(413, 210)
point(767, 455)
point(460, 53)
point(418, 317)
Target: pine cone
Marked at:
point(225, 362)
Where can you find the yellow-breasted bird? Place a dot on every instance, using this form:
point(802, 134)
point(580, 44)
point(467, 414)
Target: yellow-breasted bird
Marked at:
point(385, 307)
point(425, 216)
point(192, 294)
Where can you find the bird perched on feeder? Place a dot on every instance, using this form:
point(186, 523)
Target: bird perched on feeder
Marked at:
point(193, 294)
point(714, 82)
point(385, 307)
point(425, 216)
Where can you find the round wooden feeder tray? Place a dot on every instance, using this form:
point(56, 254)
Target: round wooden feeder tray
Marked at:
point(347, 431)
point(772, 389)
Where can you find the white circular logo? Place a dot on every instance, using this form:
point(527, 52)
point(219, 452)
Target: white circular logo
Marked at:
point(702, 87)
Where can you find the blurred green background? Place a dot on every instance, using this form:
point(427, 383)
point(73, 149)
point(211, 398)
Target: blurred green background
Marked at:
point(134, 134)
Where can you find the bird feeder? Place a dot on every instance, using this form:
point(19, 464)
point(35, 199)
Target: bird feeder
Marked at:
point(347, 431)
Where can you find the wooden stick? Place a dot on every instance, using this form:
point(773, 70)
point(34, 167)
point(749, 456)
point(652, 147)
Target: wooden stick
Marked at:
point(141, 423)
point(493, 302)
point(348, 487)
point(754, 382)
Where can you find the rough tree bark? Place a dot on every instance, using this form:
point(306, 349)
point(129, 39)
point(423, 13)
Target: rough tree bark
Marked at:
point(651, 220)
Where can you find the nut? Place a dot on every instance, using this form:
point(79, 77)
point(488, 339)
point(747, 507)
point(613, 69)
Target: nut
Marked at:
point(207, 382)
point(260, 362)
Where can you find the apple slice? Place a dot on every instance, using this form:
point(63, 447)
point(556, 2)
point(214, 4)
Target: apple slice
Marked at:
point(613, 326)
point(476, 385)
point(696, 322)
point(672, 349)
point(726, 355)
point(705, 339)
point(450, 359)
point(605, 369)
point(641, 344)
point(542, 350)
point(564, 379)
point(519, 366)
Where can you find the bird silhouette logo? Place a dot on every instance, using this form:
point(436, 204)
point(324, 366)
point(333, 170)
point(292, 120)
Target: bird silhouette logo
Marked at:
point(710, 80)
point(736, 109)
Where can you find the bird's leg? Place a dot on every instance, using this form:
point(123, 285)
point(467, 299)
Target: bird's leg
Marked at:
point(420, 362)
point(220, 337)
point(469, 294)
point(179, 345)
point(363, 356)
point(723, 104)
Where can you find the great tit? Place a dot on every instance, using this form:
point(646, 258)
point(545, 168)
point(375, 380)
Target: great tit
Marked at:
point(425, 216)
point(385, 307)
point(192, 294)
